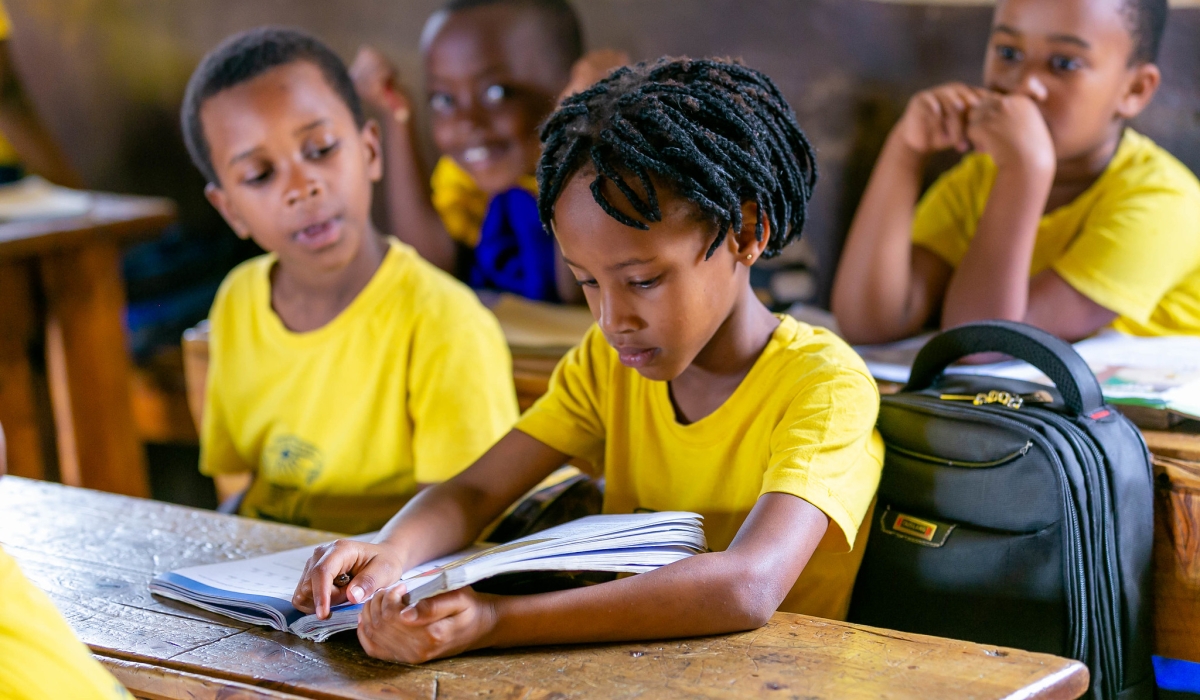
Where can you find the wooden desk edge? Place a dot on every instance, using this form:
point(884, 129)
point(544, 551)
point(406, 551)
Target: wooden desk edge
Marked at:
point(152, 681)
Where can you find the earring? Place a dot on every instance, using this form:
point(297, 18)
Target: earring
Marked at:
point(749, 256)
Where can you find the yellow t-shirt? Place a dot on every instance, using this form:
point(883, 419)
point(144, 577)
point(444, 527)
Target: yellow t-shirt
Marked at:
point(410, 384)
point(801, 422)
point(39, 654)
point(459, 201)
point(1130, 242)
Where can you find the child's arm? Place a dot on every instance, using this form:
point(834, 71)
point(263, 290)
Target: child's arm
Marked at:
point(886, 288)
point(441, 519)
point(992, 280)
point(410, 206)
point(737, 589)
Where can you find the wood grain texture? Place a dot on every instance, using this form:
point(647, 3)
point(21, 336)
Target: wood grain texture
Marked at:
point(1177, 558)
point(18, 404)
point(1174, 444)
point(86, 298)
point(94, 554)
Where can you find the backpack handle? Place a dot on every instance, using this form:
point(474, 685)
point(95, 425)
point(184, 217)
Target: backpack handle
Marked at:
point(1055, 358)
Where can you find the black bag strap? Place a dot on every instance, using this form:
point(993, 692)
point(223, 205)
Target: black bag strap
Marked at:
point(1055, 358)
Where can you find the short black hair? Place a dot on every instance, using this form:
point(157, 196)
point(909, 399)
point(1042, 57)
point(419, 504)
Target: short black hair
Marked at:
point(715, 131)
point(557, 16)
point(1146, 20)
point(245, 56)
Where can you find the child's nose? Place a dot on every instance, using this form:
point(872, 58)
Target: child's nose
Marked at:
point(1032, 86)
point(301, 188)
point(616, 316)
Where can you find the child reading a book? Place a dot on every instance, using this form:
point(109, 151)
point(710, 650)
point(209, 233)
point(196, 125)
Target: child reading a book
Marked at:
point(345, 372)
point(663, 183)
point(494, 70)
point(1061, 216)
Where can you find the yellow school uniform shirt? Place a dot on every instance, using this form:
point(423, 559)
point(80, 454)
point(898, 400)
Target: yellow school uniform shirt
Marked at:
point(410, 384)
point(1130, 242)
point(459, 201)
point(39, 654)
point(801, 422)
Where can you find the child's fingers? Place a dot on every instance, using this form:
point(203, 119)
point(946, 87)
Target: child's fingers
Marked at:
point(436, 608)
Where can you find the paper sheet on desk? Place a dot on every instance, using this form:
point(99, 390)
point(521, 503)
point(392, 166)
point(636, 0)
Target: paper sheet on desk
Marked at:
point(35, 198)
point(1162, 372)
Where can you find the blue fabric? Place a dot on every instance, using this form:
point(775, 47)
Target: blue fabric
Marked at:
point(1177, 675)
point(514, 254)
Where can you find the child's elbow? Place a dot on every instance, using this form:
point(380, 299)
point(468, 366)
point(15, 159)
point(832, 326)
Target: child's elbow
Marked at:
point(752, 598)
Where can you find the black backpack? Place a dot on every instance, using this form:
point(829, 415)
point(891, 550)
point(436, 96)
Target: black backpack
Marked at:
point(1012, 514)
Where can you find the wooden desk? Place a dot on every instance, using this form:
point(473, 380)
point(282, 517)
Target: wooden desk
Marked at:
point(61, 278)
point(94, 554)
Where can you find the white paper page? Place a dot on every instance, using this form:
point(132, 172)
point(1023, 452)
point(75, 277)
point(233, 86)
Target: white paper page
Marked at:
point(273, 575)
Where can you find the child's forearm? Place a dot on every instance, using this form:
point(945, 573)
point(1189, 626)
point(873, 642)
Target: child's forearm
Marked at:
point(410, 207)
point(992, 281)
point(875, 298)
point(705, 594)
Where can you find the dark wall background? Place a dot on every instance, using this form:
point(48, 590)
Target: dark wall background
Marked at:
point(108, 75)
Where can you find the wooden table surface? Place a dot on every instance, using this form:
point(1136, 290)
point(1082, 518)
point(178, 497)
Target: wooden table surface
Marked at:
point(94, 553)
point(61, 289)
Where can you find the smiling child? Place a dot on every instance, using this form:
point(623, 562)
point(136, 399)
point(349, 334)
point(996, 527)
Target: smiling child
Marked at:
point(1061, 217)
point(346, 372)
point(664, 184)
point(494, 70)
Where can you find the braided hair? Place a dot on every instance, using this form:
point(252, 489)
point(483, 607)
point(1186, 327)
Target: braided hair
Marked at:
point(715, 131)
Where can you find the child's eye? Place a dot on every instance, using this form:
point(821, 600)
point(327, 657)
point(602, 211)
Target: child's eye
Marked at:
point(586, 283)
point(318, 152)
point(1065, 64)
point(441, 102)
point(644, 284)
point(257, 177)
point(1008, 53)
point(495, 93)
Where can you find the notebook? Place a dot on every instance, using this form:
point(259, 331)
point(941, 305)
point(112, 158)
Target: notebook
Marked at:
point(259, 590)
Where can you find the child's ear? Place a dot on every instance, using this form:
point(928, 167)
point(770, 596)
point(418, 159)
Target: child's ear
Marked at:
point(744, 244)
point(216, 197)
point(374, 153)
point(1142, 86)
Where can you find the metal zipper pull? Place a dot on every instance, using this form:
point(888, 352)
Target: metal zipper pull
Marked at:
point(1004, 398)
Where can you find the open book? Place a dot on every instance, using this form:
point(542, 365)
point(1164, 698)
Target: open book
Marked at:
point(259, 591)
point(1160, 373)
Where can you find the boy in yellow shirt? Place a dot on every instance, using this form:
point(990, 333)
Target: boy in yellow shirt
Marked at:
point(663, 183)
point(346, 372)
point(1061, 217)
point(494, 70)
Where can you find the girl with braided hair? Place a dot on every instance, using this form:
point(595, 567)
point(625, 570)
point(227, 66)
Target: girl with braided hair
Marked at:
point(662, 184)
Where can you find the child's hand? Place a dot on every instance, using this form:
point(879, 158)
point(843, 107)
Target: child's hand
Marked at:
point(444, 625)
point(373, 567)
point(591, 68)
point(936, 119)
point(1011, 129)
point(378, 83)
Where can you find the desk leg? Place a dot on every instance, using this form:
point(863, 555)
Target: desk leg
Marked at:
point(18, 405)
point(85, 299)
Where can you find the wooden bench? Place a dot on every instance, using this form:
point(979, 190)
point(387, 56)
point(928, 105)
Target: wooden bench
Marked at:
point(94, 554)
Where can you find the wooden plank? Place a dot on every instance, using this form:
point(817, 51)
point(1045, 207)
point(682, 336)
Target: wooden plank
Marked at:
point(112, 219)
point(95, 552)
point(1176, 445)
point(18, 402)
point(86, 298)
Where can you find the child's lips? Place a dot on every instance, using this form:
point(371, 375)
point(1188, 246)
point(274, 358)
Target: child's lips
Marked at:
point(483, 155)
point(319, 235)
point(636, 357)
